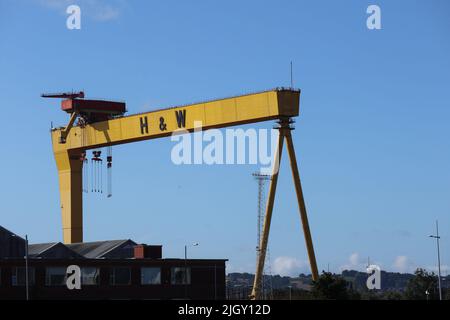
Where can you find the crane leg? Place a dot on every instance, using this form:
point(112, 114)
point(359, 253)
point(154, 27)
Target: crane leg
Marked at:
point(301, 205)
point(70, 186)
point(256, 291)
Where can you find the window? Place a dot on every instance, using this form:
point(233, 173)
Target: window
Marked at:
point(55, 276)
point(180, 275)
point(90, 276)
point(150, 275)
point(19, 276)
point(120, 276)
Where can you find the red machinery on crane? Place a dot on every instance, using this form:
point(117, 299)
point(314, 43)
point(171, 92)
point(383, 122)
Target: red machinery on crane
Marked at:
point(88, 111)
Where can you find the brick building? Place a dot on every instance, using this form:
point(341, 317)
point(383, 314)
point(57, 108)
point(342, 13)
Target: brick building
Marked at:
point(118, 269)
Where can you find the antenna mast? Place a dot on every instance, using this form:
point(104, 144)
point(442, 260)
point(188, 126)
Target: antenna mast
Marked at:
point(292, 79)
point(261, 180)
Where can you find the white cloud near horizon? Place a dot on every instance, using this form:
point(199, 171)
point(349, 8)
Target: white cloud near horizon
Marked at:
point(289, 266)
point(354, 259)
point(353, 263)
point(356, 263)
point(401, 264)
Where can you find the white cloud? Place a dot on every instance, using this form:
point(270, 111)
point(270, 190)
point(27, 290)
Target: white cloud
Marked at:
point(403, 264)
point(106, 13)
point(358, 264)
point(98, 10)
point(56, 4)
point(400, 263)
point(246, 268)
point(289, 266)
point(354, 259)
point(353, 263)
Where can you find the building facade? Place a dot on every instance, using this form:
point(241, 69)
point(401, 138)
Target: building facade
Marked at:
point(119, 269)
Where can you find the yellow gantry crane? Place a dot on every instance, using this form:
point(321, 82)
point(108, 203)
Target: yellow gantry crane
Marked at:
point(102, 124)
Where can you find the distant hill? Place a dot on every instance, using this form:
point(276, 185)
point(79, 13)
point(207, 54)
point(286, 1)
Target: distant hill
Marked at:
point(390, 281)
point(277, 281)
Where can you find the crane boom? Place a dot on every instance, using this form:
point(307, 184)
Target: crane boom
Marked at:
point(257, 107)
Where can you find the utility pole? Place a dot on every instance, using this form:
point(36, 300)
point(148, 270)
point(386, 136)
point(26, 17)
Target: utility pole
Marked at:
point(185, 270)
point(26, 268)
point(292, 78)
point(437, 237)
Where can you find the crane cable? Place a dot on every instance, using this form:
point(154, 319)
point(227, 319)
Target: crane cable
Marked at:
point(96, 163)
point(97, 172)
point(83, 158)
point(85, 172)
point(96, 166)
point(92, 175)
point(109, 170)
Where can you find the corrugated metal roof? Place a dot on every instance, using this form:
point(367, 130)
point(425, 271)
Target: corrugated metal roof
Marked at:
point(53, 250)
point(11, 245)
point(8, 233)
point(37, 249)
point(90, 250)
point(97, 249)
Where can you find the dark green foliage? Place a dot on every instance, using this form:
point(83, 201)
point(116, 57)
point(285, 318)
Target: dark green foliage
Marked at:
point(333, 287)
point(292, 294)
point(351, 285)
point(390, 281)
point(422, 282)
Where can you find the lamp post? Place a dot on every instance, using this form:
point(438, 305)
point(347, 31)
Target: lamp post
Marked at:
point(437, 237)
point(215, 281)
point(27, 296)
point(26, 268)
point(185, 269)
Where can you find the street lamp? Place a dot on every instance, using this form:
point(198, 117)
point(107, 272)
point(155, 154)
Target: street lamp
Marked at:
point(185, 269)
point(437, 237)
point(26, 266)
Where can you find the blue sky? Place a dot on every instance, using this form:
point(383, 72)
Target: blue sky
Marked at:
point(373, 138)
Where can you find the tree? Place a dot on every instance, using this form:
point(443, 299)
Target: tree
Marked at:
point(332, 287)
point(291, 293)
point(392, 295)
point(423, 286)
point(447, 296)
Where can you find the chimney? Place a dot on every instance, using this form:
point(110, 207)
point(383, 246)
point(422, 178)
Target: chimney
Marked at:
point(143, 251)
